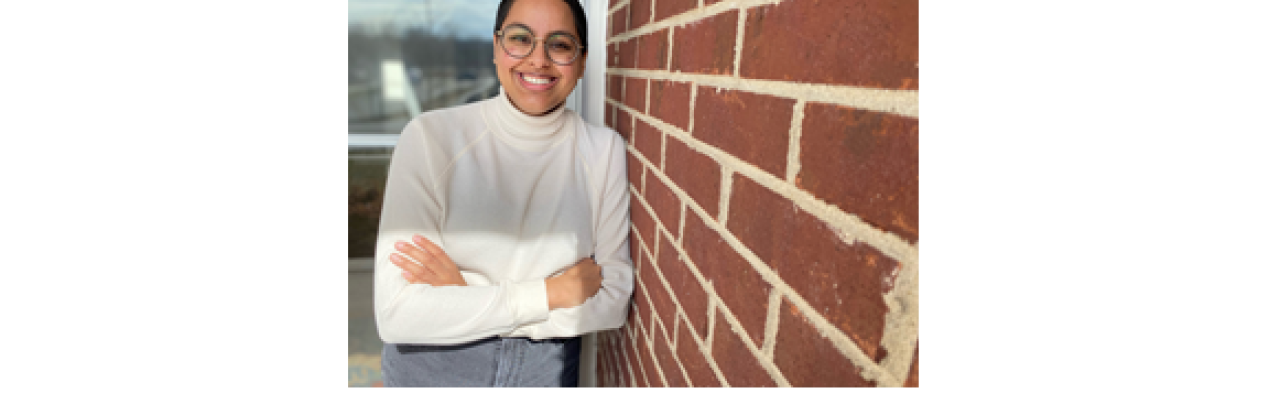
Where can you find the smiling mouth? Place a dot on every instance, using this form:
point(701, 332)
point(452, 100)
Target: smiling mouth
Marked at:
point(537, 82)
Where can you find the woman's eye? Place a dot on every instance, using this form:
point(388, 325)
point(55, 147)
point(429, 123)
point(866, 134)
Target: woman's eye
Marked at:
point(561, 45)
point(519, 38)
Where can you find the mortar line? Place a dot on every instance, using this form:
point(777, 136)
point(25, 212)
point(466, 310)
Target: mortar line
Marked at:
point(693, 100)
point(771, 323)
point(793, 144)
point(684, 210)
point(898, 102)
point(838, 338)
point(671, 44)
point(675, 349)
point(844, 224)
point(648, 94)
point(737, 45)
point(662, 152)
point(671, 346)
point(726, 192)
point(902, 322)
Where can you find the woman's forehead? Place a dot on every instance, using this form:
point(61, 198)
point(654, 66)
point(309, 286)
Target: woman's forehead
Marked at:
point(541, 16)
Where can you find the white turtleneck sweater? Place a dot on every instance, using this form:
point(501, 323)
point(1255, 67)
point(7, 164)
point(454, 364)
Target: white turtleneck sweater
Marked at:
point(513, 199)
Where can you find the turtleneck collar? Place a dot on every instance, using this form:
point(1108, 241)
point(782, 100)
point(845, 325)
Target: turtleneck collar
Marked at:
point(525, 131)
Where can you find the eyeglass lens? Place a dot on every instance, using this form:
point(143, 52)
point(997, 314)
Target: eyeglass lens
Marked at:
point(519, 42)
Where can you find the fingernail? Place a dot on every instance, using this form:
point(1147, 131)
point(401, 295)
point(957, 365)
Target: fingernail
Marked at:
point(400, 245)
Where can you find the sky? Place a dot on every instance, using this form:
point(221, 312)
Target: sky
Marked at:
point(470, 18)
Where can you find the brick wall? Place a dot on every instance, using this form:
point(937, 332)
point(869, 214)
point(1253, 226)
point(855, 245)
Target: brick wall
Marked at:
point(773, 153)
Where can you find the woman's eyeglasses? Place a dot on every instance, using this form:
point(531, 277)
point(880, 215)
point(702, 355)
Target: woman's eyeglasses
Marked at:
point(518, 41)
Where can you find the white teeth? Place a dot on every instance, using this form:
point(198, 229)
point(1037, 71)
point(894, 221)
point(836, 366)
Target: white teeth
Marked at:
point(536, 80)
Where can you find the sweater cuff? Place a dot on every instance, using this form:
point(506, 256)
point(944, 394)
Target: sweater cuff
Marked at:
point(528, 301)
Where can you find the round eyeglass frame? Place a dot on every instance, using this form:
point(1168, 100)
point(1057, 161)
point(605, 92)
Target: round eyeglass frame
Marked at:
point(503, 43)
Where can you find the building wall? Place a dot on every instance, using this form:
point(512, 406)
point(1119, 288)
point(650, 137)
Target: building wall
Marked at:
point(773, 155)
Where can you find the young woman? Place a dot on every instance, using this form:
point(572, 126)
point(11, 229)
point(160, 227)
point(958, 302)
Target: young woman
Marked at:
point(504, 227)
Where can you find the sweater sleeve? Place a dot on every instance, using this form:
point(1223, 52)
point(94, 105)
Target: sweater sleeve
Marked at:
point(607, 309)
point(421, 313)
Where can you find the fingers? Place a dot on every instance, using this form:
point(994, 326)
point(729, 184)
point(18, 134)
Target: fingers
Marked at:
point(412, 272)
point(435, 251)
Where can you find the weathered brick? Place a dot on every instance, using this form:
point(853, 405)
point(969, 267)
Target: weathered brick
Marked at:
point(807, 359)
point(664, 202)
point(913, 378)
point(633, 354)
point(686, 287)
point(669, 101)
point(644, 293)
point(866, 163)
point(649, 141)
point(653, 51)
point(647, 359)
point(698, 175)
point(753, 127)
point(635, 172)
point(706, 46)
point(868, 43)
point(738, 284)
point(842, 282)
point(695, 363)
point(739, 367)
point(643, 220)
point(667, 359)
point(640, 14)
point(635, 94)
point(618, 22)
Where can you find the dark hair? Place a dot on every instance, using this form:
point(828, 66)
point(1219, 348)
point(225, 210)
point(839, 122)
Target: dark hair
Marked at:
point(579, 18)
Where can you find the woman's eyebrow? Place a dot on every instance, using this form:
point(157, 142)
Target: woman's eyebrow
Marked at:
point(531, 30)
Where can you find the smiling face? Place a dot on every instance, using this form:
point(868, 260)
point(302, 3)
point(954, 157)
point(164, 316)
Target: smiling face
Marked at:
point(536, 84)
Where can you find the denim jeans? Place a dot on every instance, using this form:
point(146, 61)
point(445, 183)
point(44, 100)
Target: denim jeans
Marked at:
point(492, 362)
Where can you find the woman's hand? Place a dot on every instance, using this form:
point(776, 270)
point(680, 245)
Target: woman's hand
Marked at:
point(573, 287)
point(433, 266)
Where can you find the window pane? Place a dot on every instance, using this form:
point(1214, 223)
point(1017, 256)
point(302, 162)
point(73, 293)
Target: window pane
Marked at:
point(406, 57)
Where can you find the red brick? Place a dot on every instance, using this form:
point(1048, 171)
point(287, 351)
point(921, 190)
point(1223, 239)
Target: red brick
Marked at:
point(739, 367)
point(913, 379)
point(635, 94)
point(667, 359)
point(867, 43)
point(738, 284)
point(695, 363)
point(615, 87)
point(649, 141)
point(624, 124)
point(698, 175)
point(639, 14)
point(669, 101)
point(842, 282)
point(807, 359)
point(646, 357)
point(643, 220)
point(627, 54)
point(653, 51)
point(686, 287)
point(668, 8)
point(706, 46)
point(644, 293)
point(618, 22)
point(753, 127)
point(864, 162)
point(664, 202)
point(635, 172)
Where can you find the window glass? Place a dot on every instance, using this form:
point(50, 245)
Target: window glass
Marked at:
point(403, 58)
